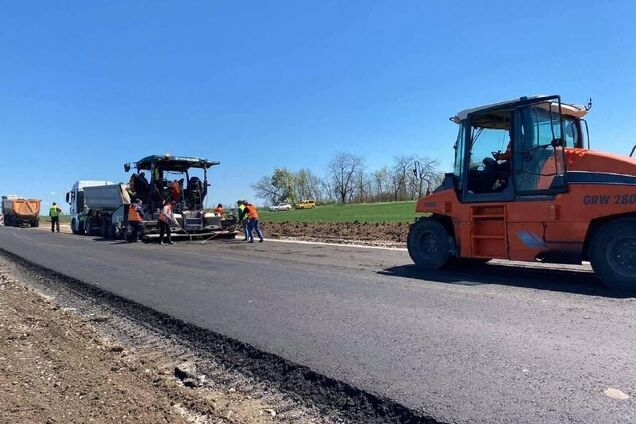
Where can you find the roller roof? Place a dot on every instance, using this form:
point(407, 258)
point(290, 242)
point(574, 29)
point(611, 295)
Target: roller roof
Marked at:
point(577, 111)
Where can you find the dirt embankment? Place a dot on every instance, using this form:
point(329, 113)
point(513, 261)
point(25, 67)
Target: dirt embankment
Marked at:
point(55, 367)
point(393, 233)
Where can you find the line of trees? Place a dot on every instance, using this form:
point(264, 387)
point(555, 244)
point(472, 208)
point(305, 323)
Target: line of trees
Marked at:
point(347, 180)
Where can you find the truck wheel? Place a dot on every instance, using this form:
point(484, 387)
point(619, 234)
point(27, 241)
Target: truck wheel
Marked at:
point(74, 226)
point(429, 244)
point(110, 232)
point(36, 223)
point(613, 254)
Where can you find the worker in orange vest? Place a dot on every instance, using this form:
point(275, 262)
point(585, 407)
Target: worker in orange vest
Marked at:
point(218, 211)
point(166, 217)
point(175, 189)
point(135, 216)
point(252, 224)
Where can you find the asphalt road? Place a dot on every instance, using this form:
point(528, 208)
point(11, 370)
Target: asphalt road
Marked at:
point(497, 344)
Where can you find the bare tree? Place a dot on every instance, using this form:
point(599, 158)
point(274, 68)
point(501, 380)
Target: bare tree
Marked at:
point(426, 175)
point(265, 189)
point(402, 171)
point(342, 171)
point(279, 187)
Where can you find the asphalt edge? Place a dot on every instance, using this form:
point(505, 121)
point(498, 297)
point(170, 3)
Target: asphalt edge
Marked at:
point(282, 375)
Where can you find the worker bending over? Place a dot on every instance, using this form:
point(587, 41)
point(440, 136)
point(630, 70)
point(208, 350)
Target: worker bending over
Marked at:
point(252, 225)
point(243, 218)
point(135, 216)
point(54, 213)
point(166, 218)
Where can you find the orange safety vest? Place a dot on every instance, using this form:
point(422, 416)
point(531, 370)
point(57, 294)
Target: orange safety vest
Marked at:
point(251, 211)
point(175, 188)
point(218, 211)
point(133, 215)
point(165, 213)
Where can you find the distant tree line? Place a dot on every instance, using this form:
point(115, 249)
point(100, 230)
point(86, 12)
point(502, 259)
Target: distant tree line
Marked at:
point(347, 180)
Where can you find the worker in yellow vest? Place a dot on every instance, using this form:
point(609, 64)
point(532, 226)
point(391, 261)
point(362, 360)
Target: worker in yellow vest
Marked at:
point(252, 225)
point(243, 218)
point(54, 213)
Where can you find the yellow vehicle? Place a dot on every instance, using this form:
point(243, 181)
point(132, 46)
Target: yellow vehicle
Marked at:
point(305, 204)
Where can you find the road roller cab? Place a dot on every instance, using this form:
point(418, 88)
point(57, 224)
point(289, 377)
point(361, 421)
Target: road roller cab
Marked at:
point(526, 186)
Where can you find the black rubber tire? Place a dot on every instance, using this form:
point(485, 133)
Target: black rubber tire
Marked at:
point(429, 244)
point(109, 232)
point(73, 225)
point(36, 223)
point(612, 253)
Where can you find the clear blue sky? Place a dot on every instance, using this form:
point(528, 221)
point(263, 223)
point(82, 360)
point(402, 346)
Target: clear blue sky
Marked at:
point(87, 86)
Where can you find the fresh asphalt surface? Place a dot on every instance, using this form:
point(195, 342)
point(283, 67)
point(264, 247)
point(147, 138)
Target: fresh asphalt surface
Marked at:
point(500, 343)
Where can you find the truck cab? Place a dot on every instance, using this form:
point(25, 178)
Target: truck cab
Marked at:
point(78, 209)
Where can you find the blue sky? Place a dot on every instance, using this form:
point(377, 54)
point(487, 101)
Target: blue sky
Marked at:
point(87, 86)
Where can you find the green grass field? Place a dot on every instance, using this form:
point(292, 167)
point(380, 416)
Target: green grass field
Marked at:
point(366, 212)
point(369, 212)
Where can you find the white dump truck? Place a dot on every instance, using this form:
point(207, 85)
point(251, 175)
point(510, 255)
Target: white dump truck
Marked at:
point(98, 208)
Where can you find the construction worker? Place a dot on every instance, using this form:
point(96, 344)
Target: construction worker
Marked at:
point(135, 216)
point(252, 225)
point(142, 188)
point(175, 191)
point(218, 211)
point(166, 217)
point(131, 184)
point(54, 213)
point(243, 218)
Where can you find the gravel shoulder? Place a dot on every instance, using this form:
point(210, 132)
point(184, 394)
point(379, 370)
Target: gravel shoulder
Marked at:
point(58, 367)
point(101, 358)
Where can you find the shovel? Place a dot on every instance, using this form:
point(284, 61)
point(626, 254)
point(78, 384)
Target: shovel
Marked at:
point(216, 235)
point(182, 229)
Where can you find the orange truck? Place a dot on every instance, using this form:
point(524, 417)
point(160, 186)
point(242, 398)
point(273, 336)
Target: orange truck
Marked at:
point(526, 186)
point(20, 212)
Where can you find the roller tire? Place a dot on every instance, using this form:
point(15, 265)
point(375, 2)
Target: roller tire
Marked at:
point(612, 253)
point(429, 244)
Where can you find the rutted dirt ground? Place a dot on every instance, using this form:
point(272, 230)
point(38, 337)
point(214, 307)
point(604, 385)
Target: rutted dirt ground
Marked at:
point(379, 233)
point(58, 368)
point(391, 234)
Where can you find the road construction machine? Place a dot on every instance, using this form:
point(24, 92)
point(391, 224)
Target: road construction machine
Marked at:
point(100, 208)
point(184, 180)
point(97, 208)
point(526, 186)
